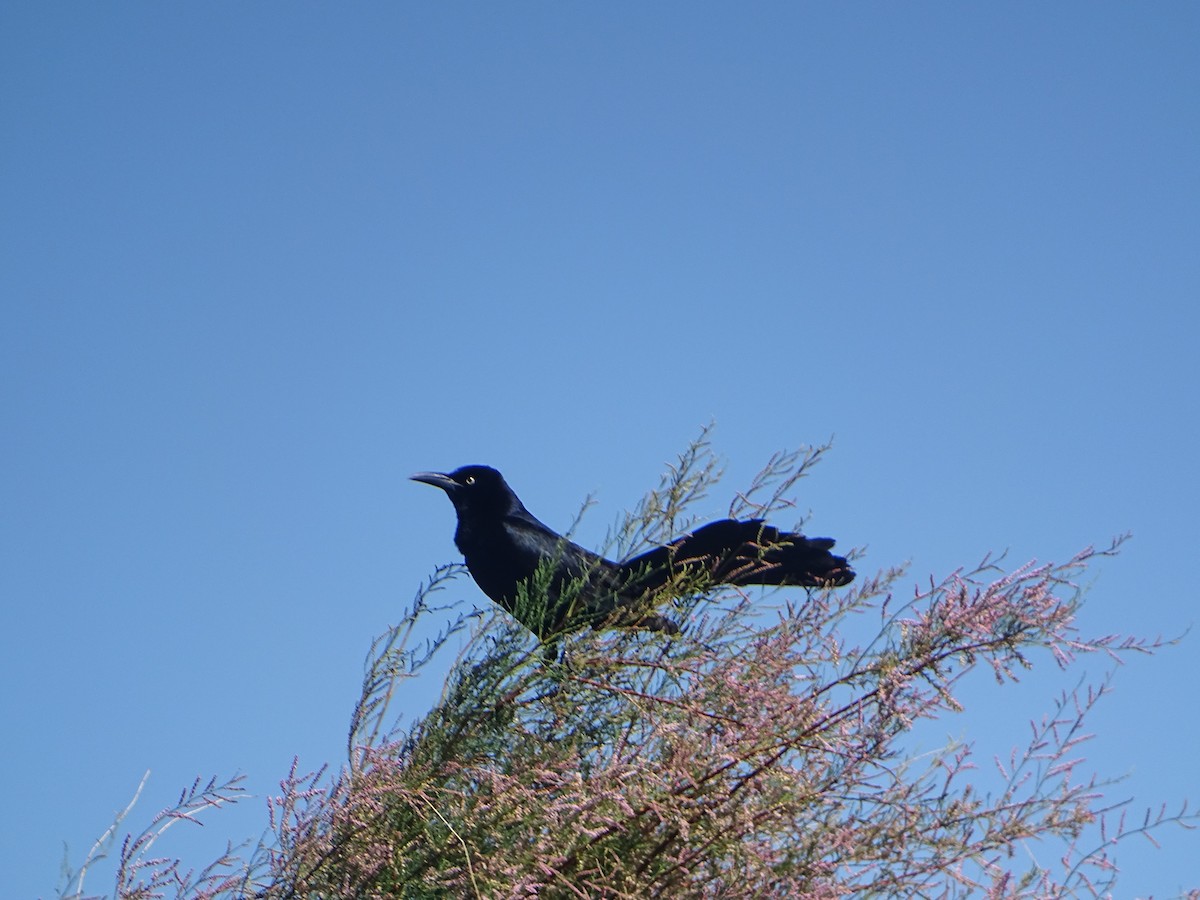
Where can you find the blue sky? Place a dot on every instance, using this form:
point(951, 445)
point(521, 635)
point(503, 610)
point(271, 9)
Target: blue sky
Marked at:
point(261, 262)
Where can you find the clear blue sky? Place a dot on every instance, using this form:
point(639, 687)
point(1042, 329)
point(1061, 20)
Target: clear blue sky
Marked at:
point(261, 262)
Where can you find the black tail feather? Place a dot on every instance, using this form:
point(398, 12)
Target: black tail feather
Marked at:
point(744, 552)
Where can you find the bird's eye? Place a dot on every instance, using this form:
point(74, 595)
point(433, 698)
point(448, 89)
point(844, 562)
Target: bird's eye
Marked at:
point(470, 479)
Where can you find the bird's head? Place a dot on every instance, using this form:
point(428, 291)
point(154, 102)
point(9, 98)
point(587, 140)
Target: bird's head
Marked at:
point(478, 490)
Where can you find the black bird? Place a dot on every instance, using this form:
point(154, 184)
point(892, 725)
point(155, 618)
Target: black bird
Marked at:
point(512, 555)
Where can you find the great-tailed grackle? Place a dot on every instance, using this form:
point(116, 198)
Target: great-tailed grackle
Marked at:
point(516, 560)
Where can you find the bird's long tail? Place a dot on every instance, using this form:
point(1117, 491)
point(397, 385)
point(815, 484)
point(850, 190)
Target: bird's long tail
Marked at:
point(742, 552)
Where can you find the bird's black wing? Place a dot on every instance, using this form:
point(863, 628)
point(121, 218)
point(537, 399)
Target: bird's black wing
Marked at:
point(558, 586)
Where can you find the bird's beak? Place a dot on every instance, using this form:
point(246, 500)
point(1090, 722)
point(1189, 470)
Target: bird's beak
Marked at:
point(437, 479)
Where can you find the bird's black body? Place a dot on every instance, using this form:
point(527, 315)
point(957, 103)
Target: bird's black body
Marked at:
point(507, 550)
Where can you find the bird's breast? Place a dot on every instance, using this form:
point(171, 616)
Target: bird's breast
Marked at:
point(494, 561)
